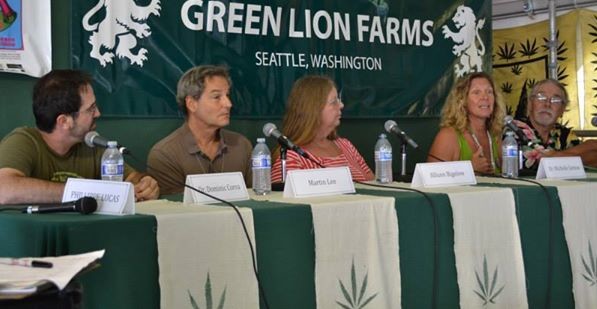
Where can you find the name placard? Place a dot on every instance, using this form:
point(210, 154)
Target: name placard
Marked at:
point(227, 186)
point(443, 174)
point(561, 168)
point(318, 182)
point(113, 197)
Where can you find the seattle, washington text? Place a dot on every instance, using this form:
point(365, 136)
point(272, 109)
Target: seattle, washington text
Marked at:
point(302, 60)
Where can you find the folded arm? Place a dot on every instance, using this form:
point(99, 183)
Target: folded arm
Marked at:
point(16, 188)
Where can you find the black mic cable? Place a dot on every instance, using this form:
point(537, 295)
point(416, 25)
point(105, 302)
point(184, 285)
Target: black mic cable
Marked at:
point(550, 224)
point(242, 221)
point(435, 289)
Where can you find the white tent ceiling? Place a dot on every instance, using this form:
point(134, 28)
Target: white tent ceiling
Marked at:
point(512, 8)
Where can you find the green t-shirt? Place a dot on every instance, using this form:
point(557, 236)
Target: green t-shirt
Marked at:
point(25, 150)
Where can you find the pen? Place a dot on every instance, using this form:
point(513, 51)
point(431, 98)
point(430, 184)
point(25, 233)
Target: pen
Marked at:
point(26, 263)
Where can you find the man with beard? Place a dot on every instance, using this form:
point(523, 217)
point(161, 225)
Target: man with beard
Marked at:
point(36, 162)
point(546, 104)
point(201, 145)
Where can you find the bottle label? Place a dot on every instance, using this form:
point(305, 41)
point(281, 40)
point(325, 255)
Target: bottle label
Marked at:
point(383, 155)
point(262, 161)
point(510, 151)
point(112, 169)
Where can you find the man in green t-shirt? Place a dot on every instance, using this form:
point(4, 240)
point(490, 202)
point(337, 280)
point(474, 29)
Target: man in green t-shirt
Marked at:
point(36, 162)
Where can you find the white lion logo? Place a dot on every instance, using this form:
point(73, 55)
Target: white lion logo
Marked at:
point(466, 41)
point(124, 20)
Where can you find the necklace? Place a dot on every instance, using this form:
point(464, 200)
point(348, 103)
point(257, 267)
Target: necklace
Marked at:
point(476, 140)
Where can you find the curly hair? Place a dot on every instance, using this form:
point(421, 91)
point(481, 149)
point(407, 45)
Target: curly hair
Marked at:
point(455, 113)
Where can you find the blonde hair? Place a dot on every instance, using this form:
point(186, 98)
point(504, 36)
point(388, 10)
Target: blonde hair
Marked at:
point(306, 100)
point(455, 113)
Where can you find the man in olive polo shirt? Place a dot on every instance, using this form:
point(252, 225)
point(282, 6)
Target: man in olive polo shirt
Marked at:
point(201, 145)
point(36, 162)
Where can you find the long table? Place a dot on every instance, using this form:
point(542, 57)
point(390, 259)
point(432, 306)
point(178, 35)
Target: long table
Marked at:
point(128, 277)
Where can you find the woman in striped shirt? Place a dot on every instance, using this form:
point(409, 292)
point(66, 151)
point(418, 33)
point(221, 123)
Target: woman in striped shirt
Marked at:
point(312, 115)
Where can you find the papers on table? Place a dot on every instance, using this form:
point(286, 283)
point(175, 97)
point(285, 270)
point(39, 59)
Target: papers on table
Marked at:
point(19, 281)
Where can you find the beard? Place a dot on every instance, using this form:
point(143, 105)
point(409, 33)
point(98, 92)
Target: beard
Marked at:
point(545, 118)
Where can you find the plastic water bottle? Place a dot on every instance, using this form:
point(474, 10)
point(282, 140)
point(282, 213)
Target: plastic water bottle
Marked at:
point(383, 160)
point(112, 163)
point(509, 156)
point(262, 166)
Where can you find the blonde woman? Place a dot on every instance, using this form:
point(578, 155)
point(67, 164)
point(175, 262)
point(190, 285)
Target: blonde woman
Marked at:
point(471, 125)
point(313, 113)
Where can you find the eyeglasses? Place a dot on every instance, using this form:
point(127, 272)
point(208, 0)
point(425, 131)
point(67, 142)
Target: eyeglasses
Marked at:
point(335, 101)
point(90, 110)
point(554, 100)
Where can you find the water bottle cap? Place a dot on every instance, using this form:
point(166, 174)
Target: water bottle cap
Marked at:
point(382, 135)
point(260, 140)
point(112, 144)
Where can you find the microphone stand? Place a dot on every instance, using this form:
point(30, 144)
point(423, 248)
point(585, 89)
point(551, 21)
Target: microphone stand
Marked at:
point(403, 177)
point(279, 186)
point(283, 151)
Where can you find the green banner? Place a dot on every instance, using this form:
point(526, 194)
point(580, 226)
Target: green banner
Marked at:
point(388, 58)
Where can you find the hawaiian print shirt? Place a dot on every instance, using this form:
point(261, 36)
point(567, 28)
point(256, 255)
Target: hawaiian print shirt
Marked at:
point(560, 138)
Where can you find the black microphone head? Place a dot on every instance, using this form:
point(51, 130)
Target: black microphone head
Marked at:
point(86, 205)
point(389, 125)
point(268, 128)
point(594, 121)
point(89, 137)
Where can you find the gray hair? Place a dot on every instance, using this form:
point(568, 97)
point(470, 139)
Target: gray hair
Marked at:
point(554, 82)
point(192, 83)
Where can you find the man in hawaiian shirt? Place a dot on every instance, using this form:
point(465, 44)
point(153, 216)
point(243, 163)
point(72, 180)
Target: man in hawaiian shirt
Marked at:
point(546, 104)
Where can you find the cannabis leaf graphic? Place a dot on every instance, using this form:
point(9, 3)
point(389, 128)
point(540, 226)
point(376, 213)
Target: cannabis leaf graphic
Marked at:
point(590, 267)
point(594, 33)
point(516, 69)
point(506, 87)
point(506, 52)
point(355, 301)
point(208, 297)
point(487, 291)
point(529, 49)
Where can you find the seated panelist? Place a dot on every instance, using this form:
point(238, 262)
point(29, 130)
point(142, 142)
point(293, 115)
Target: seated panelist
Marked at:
point(312, 115)
point(201, 145)
point(36, 162)
point(548, 138)
point(471, 125)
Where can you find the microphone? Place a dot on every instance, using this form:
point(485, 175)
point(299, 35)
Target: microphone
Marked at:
point(270, 129)
point(512, 126)
point(392, 127)
point(84, 206)
point(92, 139)
point(594, 121)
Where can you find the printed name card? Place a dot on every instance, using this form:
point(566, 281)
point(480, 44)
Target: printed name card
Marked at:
point(561, 168)
point(226, 186)
point(443, 174)
point(318, 182)
point(113, 197)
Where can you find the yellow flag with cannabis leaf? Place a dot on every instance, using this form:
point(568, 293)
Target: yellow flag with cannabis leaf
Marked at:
point(520, 59)
point(588, 35)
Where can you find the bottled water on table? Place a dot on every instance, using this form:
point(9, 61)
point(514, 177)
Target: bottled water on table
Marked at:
point(383, 160)
point(261, 161)
point(112, 163)
point(509, 156)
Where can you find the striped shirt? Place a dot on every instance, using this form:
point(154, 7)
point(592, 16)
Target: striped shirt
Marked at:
point(350, 157)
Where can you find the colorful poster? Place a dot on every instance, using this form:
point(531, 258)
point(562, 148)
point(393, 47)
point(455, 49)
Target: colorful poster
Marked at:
point(25, 37)
point(388, 57)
